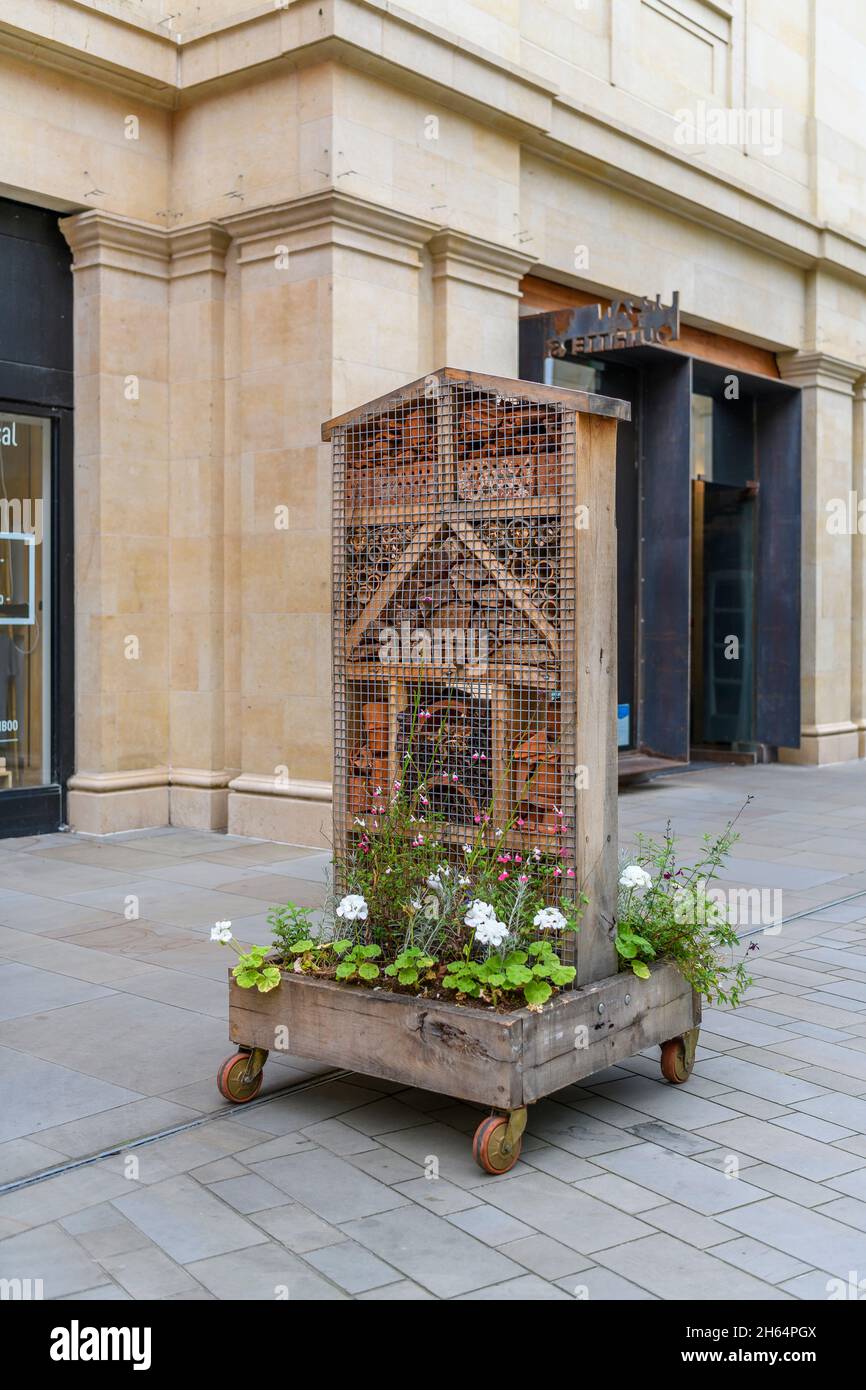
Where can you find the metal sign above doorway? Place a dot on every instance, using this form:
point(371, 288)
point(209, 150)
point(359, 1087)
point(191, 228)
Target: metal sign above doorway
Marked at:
point(625, 323)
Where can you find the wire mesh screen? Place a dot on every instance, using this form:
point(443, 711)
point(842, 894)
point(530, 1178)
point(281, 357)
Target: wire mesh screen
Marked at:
point(454, 618)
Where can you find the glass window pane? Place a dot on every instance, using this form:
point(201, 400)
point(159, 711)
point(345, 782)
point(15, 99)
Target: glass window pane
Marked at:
point(25, 619)
point(702, 437)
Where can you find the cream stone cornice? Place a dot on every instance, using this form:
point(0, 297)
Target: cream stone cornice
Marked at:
point(198, 250)
point(472, 259)
point(806, 369)
point(325, 218)
point(99, 238)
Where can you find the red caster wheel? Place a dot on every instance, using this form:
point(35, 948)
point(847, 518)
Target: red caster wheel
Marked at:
point(678, 1057)
point(233, 1082)
point(498, 1140)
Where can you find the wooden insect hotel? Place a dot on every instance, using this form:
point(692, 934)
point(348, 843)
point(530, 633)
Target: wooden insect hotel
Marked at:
point(474, 605)
point(474, 573)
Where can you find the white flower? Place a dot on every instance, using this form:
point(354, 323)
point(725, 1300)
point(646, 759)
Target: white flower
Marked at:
point(222, 933)
point(353, 908)
point(464, 882)
point(634, 877)
point(490, 932)
point(478, 913)
point(549, 919)
point(467, 849)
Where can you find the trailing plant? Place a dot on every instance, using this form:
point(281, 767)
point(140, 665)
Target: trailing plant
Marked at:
point(251, 971)
point(666, 910)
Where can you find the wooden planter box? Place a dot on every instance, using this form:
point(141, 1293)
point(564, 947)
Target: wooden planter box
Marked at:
point(504, 1061)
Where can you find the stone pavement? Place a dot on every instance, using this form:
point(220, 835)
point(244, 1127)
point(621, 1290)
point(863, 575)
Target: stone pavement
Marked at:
point(112, 1027)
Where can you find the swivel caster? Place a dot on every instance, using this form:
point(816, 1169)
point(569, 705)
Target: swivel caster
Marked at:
point(498, 1141)
point(240, 1076)
point(678, 1057)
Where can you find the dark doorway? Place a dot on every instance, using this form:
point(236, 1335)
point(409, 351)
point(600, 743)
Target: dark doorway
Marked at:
point(708, 530)
point(36, 574)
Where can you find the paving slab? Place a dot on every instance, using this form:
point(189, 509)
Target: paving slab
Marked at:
point(187, 1221)
point(266, 1273)
point(431, 1251)
point(806, 1234)
point(764, 1140)
point(681, 1179)
point(671, 1269)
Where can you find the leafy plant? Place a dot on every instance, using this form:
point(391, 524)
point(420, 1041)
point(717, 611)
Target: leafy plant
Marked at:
point(358, 963)
point(534, 972)
point(411, 964)
point(251, 971)
point(670, 911)
point(316, 957)
point(289, 924)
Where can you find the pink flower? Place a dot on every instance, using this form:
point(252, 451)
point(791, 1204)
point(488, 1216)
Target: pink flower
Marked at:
point(477, 820)
point(503, 875)
point(557, 873)
point(518, 858)
point(524, 878)
point(520, 821)
point(569, 873)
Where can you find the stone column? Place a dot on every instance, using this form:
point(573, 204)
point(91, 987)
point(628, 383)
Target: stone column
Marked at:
point(328, 318)
point(196, 524)
point(829, 733)
point(121, 272)
point(858, 625)
point(476, 294)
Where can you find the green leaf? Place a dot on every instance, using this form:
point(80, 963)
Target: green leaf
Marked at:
point(301, 947)
point(370, 952)
point(345, 970)
point(515, 958)
point(246, 978)
point(496, 978)
point(641, 969)
point(537, 992)
point(562, 975)
point(408, 976)
point(518, 974)
point(338, 947)
point(367, 970)
point(627, 948)
point(393, 969)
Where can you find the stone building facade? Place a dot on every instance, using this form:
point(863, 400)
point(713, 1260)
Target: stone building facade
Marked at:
point(276, 211)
